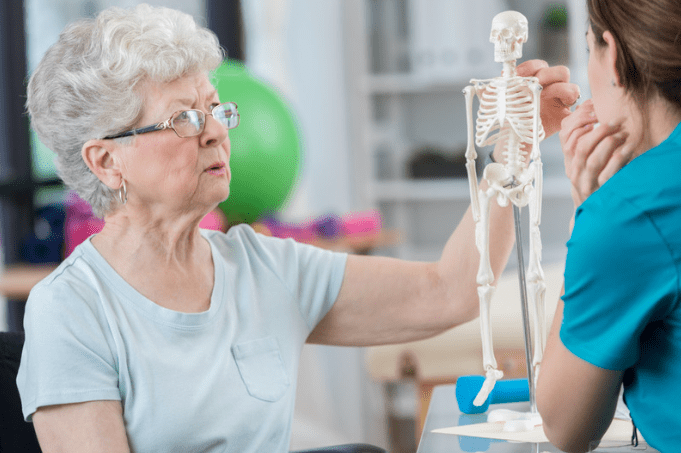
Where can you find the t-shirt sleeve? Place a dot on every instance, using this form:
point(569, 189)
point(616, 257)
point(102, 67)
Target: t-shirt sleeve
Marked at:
point(67, 357)
point(619, 277)
point(311, 274)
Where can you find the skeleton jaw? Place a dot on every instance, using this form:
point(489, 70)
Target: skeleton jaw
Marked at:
point(505, 51)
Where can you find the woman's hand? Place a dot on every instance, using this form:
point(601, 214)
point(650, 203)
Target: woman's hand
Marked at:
point(557, 95)
point(592, 154)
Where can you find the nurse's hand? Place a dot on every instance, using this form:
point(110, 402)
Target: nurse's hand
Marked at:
point(592, 153)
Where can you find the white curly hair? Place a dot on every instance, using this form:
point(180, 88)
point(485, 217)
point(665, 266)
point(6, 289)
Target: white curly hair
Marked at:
point(85, 86)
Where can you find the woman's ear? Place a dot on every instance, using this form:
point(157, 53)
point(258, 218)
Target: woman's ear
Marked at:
point(611, 57)
point(100, 158)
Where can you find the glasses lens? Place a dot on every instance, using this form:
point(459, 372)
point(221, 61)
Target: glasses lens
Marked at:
point(227, 115)
point(188, 123)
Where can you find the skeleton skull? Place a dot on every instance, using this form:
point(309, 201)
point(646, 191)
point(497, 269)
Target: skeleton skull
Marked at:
point(509, 32)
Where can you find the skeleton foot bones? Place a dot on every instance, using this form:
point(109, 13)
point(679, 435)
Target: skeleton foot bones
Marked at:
point(508, 116)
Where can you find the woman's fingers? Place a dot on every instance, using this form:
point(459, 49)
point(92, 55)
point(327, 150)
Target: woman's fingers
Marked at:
point(570, 137)
point(557, 95)
point(592, 153)
point(573, 127)
point(619, 159)
point(530, 68)
point(556, 100)
point(602, 153)
point(597, 142)
point(583, 116)
point(598, 155)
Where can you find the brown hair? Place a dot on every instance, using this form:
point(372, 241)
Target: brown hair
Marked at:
point(648, 39)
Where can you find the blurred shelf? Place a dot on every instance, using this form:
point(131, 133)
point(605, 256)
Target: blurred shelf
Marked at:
point(450, 189)
point(407, 83)
point(362, 244)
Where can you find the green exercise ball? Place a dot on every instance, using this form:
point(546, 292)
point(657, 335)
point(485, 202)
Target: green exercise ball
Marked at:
point(265, 147)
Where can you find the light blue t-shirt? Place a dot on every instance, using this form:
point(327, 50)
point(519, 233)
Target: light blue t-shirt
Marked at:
point(622, 287)
point(218, 381)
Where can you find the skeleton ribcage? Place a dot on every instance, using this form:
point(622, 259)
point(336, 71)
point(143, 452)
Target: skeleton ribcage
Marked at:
point(505, 108)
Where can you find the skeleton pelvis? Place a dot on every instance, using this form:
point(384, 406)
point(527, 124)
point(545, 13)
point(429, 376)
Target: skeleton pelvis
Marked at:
point(499, 174)
point(509, 186)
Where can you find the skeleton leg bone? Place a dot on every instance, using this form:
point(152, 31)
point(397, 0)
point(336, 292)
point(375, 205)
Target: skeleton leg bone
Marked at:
point(480, 207)
point(537, 286)
point(485, 279)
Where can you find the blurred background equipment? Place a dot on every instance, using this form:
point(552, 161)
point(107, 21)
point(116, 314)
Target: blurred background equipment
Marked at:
point(265, 147)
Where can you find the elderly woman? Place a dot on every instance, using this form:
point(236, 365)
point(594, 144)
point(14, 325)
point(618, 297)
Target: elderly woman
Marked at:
point(619, 324)
point(157, 336)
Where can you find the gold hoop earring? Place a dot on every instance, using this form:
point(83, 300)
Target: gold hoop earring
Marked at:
point(123, 193)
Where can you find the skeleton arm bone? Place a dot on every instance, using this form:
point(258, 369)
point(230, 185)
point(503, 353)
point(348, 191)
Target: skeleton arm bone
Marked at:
point(471, 154)
point(538, 128)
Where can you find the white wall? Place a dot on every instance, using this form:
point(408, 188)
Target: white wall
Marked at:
point(297, 46)
point(318, 74)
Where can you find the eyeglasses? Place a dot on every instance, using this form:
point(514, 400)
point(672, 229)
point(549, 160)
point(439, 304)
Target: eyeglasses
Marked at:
point(189, 123)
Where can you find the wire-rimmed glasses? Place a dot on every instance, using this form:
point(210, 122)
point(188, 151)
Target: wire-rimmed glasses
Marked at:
point(189, 123)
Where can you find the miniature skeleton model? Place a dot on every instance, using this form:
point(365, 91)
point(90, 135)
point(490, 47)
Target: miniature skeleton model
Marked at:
point(509, 115)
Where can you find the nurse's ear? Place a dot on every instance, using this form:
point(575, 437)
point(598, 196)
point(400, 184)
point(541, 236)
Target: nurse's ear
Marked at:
point(102, 158)
point(611, 57)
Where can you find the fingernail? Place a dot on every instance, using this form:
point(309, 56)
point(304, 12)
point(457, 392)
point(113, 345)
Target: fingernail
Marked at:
point(614, 124)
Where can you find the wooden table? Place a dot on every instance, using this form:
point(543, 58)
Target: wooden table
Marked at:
point(16, 281)
point(362, 244)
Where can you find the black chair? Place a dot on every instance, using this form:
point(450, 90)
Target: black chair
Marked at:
point(348, 448)
point(16, 435)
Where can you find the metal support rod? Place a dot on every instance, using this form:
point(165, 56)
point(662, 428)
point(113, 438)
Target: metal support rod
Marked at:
point(525, 311)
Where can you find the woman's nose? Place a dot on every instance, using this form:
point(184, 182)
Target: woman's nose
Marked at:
point(214, 132)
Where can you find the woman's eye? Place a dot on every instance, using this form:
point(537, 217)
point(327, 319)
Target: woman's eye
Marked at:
point(182, 117)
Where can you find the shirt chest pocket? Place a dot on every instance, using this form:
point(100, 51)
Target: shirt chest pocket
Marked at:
point(262, 368)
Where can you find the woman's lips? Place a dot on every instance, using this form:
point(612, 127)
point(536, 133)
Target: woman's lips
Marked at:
point(217, 169)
